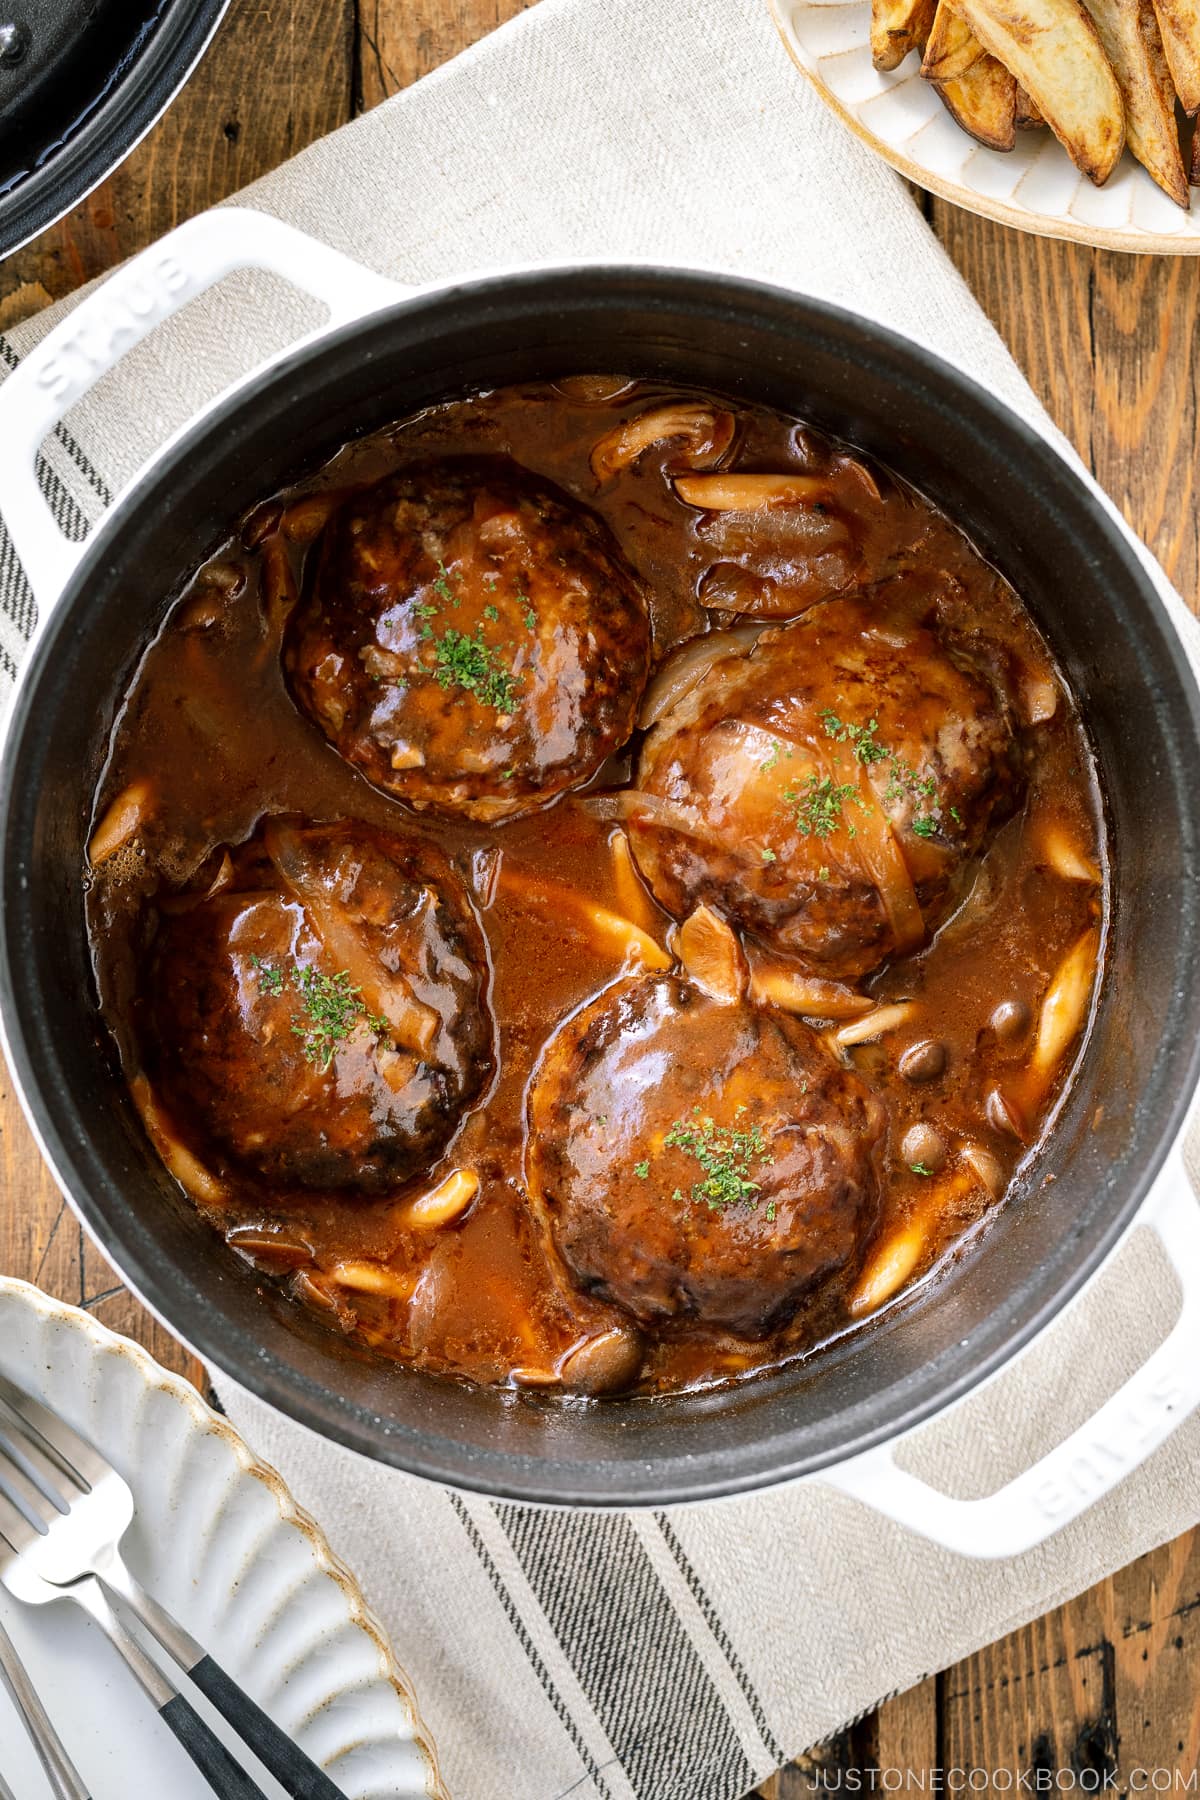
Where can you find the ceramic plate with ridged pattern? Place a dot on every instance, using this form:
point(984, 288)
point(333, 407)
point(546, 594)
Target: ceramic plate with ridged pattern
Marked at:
point(218, 1538)
point(1034, 187)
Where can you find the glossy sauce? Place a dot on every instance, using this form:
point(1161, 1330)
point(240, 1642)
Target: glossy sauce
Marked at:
point(213, 741)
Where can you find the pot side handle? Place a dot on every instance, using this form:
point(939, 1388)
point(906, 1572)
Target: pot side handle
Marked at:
point(1130, 1425)
point(148, 290)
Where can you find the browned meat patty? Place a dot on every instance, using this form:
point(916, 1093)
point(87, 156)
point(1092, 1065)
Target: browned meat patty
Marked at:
point(321, 1019)
point(700, 1160)
point(823, 788)
point(472, 640)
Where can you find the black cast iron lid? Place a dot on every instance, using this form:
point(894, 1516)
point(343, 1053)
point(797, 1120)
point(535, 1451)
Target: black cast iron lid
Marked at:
point(80, 82)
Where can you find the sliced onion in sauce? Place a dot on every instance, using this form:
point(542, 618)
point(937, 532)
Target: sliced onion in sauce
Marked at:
point(610, 933)
point(1065, 1006)
point(633, 901)
point(686, 669)
point(122, 821)
point(447, 1201)
point(187, 1169)
point(746, 493)
point(385, 994)
point(363, 1277)
point(1064, 854)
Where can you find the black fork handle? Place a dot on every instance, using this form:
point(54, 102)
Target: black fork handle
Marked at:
point(224, 1776)
point(297, 1774)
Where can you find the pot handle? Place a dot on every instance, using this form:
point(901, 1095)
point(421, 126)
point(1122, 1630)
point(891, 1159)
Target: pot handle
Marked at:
point(1131, 1424)
point(150, 288)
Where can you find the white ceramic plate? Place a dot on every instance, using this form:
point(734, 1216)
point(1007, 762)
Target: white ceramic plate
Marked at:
point(1035, 187)
point(219, 1540)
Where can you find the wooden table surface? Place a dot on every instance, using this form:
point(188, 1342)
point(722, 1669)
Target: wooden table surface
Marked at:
point(1104, 1694)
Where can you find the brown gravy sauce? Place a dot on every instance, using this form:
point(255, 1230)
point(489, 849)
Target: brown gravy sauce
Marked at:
point(210, 729)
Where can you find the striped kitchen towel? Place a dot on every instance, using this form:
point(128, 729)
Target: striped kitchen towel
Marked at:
point(676, 1655)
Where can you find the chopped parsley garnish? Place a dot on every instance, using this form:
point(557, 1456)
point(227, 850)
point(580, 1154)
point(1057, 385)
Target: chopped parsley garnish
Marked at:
point(920, 1168)
point(903, 783)
point(442, 584)
point(270, 976)
point(492, 613)
point(823, 872)
point(529, 616)
point(770, 1212)
point(331, 1008)
point(817, 807)
point(769, 856)
point(725, 1156)
point(769, 762)
point(467, 662)
point(641, 1170)
point(866, 750)
point(331, 1011)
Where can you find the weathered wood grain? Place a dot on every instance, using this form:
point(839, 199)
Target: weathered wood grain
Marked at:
point(1110, 1683)
point(1111, 345)
point(276, 76)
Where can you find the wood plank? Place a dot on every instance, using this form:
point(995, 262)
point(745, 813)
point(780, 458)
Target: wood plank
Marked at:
point(1110, 345)
point(401, 40)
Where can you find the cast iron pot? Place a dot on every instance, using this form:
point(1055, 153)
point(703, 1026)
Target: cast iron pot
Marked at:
point(1026, 509)
point(82, 82)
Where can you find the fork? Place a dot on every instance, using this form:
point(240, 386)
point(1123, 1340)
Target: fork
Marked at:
point(65, 1780)
point(63, 1536)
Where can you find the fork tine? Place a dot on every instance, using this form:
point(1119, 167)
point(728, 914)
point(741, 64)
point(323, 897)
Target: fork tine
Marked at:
point(26, 1448)
point(23, 1493)
point(16, 1533)
point(80, 1462)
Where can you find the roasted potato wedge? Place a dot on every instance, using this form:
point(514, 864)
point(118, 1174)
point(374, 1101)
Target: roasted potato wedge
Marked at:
point(951, 47)
point(1029, 113)
point(984, 102)
point(1054, 51)
point(1195, 176)
point(1129, 33)
point(1179, 23)
point(898, 26)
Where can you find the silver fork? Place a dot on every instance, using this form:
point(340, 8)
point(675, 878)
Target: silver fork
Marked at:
point(65, 1781)
point(63, 1511)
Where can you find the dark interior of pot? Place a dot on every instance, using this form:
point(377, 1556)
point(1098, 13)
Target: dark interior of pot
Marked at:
point(1027, 513)
point(80, 81)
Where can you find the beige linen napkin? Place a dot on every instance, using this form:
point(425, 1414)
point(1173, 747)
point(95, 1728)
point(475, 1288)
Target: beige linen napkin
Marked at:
point(678, 1655)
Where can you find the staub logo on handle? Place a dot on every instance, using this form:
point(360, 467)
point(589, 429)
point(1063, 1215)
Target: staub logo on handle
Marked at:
point(1133, 1431)
point(128, 308)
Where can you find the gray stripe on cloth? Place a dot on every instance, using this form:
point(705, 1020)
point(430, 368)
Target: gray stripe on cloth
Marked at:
point(713, 1620)
point(530, 1648)
point(668, 1724)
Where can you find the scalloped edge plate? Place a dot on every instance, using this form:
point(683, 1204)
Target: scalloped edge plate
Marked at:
point(256, 1583)
point(1034, 187)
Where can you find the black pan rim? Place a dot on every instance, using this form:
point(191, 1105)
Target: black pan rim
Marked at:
point(115, 126)
point(183, 1310)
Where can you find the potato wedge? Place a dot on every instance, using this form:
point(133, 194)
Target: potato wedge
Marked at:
point(984, 102)
point(951, 47)
point(1129, 33)
point(1195, 175)
point(1054, 51)
point(1029, 113)
point(898, 26)
point(1179, 23)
